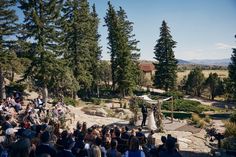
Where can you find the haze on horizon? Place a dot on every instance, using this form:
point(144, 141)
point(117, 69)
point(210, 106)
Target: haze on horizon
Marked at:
point(203, 29)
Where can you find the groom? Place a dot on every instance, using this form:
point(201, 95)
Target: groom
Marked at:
point(144, 112)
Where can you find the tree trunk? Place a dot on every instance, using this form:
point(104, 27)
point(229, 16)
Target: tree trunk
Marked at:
point(98, 91)
point(2, 85)
point(172, 109)
point(45, 94)
point(12, 75)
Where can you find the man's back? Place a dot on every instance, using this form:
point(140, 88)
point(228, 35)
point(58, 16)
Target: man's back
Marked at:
point(45, 149)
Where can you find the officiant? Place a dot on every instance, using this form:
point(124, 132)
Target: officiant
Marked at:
point(144, 112)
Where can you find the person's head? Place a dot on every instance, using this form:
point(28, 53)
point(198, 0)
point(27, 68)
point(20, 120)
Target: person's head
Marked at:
point(69, 143)
point(134, 144)
point(84, 126)
point(90, 130)
point(98, 141)
point(117, 132)
point(139, 129)
point(96, 151)
point(170, 144)
point(64, 134)
point(8, 117)
point(22, 147)
point(163, 139)
point(114, 144)
point(78, 126)
point(126, 128)
point(45, 137)
point(152, 132)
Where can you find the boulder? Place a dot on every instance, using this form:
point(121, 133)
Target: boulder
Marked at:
point(100, 112)
point(123, 113)
point(95, 111)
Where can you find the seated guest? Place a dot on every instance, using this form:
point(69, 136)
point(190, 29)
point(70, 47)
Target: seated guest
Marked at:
point(140, 135)
point(21, 148)
point(170, 149)
point(44, 147)
point(68, 145)
point(162, 147)
point(134, 150)
point(7, 124)
point(79, 148)
point(113, 152)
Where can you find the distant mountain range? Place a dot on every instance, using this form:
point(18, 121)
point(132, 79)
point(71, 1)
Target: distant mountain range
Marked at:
point(218, 62)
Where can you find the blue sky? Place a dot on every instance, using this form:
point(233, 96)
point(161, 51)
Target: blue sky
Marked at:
point(203, 29)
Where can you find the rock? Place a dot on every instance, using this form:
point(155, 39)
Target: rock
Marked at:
point(95, 111)
point(123, 113)
point(90, 112)
point(100, 112)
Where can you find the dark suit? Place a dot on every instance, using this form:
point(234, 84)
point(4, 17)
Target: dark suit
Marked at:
point(144, 112)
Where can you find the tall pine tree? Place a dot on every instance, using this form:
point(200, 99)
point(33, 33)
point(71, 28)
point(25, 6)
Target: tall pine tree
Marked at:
point(232, 72)
point(81, 40)
point(111, 21)
point(122, 46)
point(95, 50)
point(40, 26)
point(8, 28)
point(128, 56)
point(166, 66)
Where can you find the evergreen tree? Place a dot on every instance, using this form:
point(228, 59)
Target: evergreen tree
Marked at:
point(40, 26)
point(95, 49)
point(122, 48)
point(111, 21)
point(215, 85)
point(232, 71)
point(166, 68)
point(127, 56)
point(194, 83)
point(8, 28)
point(81, 39)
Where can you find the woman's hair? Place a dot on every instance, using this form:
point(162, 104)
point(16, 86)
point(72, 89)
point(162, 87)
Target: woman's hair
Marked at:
point(95, 151)
point(134, 144)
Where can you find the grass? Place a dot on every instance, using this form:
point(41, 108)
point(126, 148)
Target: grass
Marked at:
point(221, 73)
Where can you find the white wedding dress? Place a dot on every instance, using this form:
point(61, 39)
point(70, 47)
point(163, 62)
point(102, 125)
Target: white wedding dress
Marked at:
point(151, 122)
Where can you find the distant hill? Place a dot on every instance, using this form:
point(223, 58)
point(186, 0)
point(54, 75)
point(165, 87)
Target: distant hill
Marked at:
point(218, 62)
point(204, 62)
point(181, 61)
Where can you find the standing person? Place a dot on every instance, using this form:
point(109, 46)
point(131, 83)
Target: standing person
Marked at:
point(151, 121)
point(134, 150)
point(113, 152)
point(144, 112)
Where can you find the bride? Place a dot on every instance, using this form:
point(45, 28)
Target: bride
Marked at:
point(151, 121)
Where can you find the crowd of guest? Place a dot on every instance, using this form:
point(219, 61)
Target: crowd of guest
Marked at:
point(35, 131)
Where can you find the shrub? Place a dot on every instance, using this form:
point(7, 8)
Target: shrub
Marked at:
point(97, 101)
point(70, 101)
point(201, 124)
point(207, 119)
point(175, 94)
point(230, 129)
point(233, 117)
point(13, 86)
point(195, 118)
point(229, 143)
point(187, 106)
point(179, 115)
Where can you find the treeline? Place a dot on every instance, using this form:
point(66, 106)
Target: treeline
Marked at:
point(57, 48)
point(202, 67)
